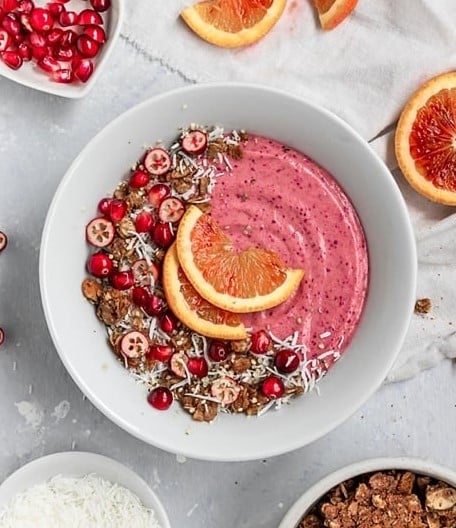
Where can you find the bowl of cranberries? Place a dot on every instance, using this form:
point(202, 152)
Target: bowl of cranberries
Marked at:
point(59, 46)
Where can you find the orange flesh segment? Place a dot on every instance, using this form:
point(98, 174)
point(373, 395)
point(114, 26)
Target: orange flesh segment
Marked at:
point(233, 15)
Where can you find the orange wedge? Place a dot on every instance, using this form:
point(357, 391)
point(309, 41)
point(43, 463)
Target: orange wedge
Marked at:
point(194, 311)
point(240, 282)
point(233, 23)
point(333, 12)
point(426, 139)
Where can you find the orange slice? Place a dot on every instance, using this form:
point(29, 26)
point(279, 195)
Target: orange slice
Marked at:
point(240, 282)
point(426, 139)
point(194, 311)
point(233, 23)
point(333, 12)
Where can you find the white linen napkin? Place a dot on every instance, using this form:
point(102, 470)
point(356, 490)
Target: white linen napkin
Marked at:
point(364, 71)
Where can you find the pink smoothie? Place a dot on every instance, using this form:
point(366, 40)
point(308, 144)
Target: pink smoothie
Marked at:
point(279, 199)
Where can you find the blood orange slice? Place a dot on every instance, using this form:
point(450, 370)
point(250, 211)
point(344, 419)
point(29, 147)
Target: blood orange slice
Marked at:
point(194, 311)
point(426, 139)
point(241, 282)
point(233, 23)
point(333, 12)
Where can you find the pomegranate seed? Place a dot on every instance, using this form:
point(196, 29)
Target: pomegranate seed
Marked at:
point(64, 54)
point(3, 241)
point(169, 323)
point(37, 40)
point(103, 206)
point(198, 367)
point(25, 51)
point(157, 194)
point(122, 280)
point(87, 47)
point(41, 19)
point(160, 398)
point(162, 235)
point(218, 351)
point(5, 40)
point(226, 390)
point(68, 18)
point(89, 17)
point(144, 222)
point(83, 69)
point(140, 296)
point(177, 364)
point(156, 306)
point(96, 33)
point(162, 353)
point(287, 361)
point(10, 5)
point(171, 210)
point(101, 5)
point(55, 8)
point(157, 161)
point(12, 59)
point(261, 342)
point(99, 265)
point(25, 7)
point(69, 38)
point(117, 209)
point(49, 64)
point(134, 344)
point(139, 179)
point(273, 387)
point(54, 36)
point(25, 21)
point(19, 39)
point(11, 24)
point(194, 142)
point(63, 75)
point(38, 52)
point(99, 231)
point(2, 336)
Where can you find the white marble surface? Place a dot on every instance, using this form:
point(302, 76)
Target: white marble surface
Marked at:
point(39, 137)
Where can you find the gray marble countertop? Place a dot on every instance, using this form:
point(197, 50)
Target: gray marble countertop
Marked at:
point(41, 409)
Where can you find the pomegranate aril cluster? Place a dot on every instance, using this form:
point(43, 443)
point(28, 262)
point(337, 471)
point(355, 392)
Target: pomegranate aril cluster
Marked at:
point(62, 42)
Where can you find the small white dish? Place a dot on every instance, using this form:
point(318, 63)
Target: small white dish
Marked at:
point(30, 75)
point(78, 464)
point(314, 494)
point(80, 338)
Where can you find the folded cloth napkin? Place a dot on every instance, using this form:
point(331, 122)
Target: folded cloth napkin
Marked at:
point(364, 71)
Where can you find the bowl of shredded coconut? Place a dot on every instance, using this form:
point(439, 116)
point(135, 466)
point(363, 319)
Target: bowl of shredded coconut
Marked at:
point(78, 490)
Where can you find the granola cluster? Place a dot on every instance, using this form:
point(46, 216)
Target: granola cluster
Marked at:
point(392, 499)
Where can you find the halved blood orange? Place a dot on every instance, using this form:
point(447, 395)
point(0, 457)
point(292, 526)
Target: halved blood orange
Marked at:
point(233, 23)
point(426, 139)
point(333, 12)
point(194, 311)
point(238, 281)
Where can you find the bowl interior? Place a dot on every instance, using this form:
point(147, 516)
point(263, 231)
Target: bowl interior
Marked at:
point(79, 464)
point(80, 338)
point(30, 75)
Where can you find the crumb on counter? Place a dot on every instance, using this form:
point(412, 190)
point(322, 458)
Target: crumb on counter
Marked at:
point(423, 306)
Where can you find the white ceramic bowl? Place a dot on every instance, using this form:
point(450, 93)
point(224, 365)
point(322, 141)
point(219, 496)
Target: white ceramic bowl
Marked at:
point(78, 464)
point(30, 75)
point(80, 338)
point(313, 495)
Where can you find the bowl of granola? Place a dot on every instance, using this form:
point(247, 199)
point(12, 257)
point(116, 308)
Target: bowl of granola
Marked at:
point(230, 268)
point(402, 492)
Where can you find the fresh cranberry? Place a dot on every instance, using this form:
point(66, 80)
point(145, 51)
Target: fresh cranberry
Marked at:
point(140, 296)
point(64, 75)
point(162, 235)
point(49, 64)
point(69, 38)
point(218, 351)
point(169, 323)
point(139, 179)
point(54, 36)
point(117, 209)
point(144, 222)
point(87, 47)
point(11, 24)
point(25, 51)
point(160, 353)
point(261, 342)
point(12, 59)
point(68, 18)
point(41, 19)
point(122, 280)
point(82, 69)
point(101, 5)
point(103, 206)
point(194, 142)
point(100, 265)
point(273, 387)
point(198, 367)
point(287, 361)
point(89, 17)
point(156, 306)
point(160, 398)
point(2, 336)
point(96, 33)
point(158, 193)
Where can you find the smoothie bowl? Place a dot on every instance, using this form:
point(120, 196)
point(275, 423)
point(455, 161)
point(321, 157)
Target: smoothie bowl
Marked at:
point(233, 260)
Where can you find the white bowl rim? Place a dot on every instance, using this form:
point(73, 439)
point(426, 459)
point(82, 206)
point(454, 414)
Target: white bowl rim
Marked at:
point(291, 444)
point(41, 464)
point(421, 466)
